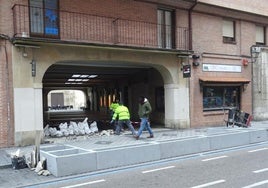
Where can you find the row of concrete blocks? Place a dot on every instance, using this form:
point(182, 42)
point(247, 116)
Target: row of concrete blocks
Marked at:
point(63, 160)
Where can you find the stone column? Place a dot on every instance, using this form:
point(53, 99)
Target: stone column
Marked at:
point(176, 106)
point(28, 115)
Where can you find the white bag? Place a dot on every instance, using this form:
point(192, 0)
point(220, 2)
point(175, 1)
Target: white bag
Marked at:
point(94, 127)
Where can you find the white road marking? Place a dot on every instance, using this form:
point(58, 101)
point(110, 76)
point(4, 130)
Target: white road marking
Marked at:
point(261, 170)
point(164, 168)
point(87, 183)
point(257, 184)
point(209, 184)
point(261, 149)
point(214, 158)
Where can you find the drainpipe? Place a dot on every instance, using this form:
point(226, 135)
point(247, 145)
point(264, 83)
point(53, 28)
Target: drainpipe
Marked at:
point(190, 25)
point(190, 49)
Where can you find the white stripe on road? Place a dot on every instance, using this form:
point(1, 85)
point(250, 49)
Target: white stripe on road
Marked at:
point(209, 184)
point(256, 184)
point(261, 170)
point(82, 184)
point(214, 158)
point(261, 149)
point(164, 168)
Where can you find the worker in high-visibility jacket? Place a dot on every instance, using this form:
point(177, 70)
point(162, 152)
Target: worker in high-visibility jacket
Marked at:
point(122, 114)
point(113, 106)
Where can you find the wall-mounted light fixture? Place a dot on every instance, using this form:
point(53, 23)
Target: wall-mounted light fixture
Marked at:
point(255, 51)
point(33, 63)
point(195, 60)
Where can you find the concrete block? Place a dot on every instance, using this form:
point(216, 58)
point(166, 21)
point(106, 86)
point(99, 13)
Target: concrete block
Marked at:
point(229, 140)
point(69, 161)
point(127, 155)
point(258, 136)
point(54, 148)
point(180, 147)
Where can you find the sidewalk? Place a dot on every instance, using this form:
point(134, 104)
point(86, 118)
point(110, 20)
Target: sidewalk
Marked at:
point(169, 142)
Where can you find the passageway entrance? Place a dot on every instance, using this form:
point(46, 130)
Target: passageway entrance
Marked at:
point(73, 91)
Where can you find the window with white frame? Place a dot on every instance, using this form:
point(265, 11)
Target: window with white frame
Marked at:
point(228, 31)
point(260, 35)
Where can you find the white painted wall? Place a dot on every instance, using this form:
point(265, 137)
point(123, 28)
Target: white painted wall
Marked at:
point(28, 116)
point(176, 106)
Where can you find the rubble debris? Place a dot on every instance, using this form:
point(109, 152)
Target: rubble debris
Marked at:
point(80, 128)
point(18, 160)
point(44, 173)
point(41, 168)
point(106, 132)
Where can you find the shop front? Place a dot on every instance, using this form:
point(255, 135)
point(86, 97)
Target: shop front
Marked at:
point(218, 87)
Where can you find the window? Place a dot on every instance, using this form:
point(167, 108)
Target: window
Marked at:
point(44, 18)
point(260, 35)
point(165, 29)
point(228, 31)
point(217, 97)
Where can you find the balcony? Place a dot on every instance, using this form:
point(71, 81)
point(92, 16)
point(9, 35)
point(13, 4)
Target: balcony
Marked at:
point(38, 24)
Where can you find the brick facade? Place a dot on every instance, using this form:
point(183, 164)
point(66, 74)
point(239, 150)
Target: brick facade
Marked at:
point(6, 99)
point(204, 21)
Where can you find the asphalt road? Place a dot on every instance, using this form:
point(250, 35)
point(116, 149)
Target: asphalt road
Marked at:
point(237, 168)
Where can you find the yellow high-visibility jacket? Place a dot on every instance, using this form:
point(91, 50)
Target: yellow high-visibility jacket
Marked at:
point(122, 113)
point(113, 106)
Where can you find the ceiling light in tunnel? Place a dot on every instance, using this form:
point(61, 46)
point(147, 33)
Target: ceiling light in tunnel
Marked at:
point(71, 80)
point(85, 80)
point(92, 76)
point(76, 75)
point(84, 76)
point(78, 80)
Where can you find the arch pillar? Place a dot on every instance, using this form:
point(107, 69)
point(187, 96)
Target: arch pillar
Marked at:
point(176, 106)
point(28, 113)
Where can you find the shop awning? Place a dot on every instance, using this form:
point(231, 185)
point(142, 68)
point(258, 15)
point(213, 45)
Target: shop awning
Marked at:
point(238, 81)
point(224, 80)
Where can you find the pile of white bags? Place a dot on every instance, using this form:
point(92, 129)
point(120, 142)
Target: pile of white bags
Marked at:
point(80, 128)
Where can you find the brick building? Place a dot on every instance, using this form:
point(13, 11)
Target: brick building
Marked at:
point(125, 48)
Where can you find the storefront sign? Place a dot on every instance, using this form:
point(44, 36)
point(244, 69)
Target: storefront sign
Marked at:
point(186, 71)
point(221, 68)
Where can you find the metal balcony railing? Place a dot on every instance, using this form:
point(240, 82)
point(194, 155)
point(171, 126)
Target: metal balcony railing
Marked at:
point(48, 24)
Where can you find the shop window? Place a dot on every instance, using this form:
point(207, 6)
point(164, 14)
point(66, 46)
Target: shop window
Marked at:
point(228, 31)
point(165, 20)
point(160, 99)
point(44, 18)
point(260, 35)
point(218, 97)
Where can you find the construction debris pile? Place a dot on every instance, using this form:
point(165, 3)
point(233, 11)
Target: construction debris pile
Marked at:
point(20, 160)
point(80, 128)
point(32, 159)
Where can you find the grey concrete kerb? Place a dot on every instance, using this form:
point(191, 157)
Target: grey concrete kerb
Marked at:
point(145, 150)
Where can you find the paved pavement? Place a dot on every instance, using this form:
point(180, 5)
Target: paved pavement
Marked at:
point(258, 133)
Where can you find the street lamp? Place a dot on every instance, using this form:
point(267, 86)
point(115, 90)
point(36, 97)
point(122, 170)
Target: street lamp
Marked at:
point(255, 51)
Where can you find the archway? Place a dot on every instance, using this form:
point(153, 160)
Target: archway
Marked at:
point(101, 82)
